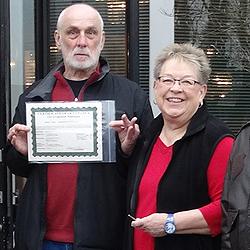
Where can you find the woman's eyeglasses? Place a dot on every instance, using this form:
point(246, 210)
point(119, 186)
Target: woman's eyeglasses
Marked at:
point(184, 83)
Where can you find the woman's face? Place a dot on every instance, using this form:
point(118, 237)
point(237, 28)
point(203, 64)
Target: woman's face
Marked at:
point(179, 101)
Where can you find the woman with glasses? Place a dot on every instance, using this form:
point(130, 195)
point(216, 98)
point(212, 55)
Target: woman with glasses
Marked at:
point(178, 166)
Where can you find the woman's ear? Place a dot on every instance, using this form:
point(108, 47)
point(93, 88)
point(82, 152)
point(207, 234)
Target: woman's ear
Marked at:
point(154, 84)
point(203, 91)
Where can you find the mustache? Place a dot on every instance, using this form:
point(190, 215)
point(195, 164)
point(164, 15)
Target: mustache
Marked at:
point(81, 51)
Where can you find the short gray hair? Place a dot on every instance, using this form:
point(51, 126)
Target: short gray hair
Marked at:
point(188, 53)
point(75, 5)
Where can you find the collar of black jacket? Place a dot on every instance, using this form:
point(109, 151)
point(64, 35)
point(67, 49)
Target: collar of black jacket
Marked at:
point(44, 88)
point(197, 123)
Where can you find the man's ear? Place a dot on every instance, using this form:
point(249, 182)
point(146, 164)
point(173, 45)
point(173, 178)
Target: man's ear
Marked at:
point(57, 39)
point(103, 39)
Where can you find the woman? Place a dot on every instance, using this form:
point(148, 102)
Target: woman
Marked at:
point(178, 165)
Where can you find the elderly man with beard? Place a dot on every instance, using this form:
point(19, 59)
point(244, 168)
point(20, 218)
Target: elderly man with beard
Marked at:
point(76, 205)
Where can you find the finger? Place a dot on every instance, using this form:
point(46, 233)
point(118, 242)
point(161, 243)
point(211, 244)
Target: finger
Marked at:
point(13, 140)
point(126, 121)
point(10, 135)
point(137, 223)
point(21, 127)
point(133, 132)
point(118, 123)
point(133, 121)
point(12, 132)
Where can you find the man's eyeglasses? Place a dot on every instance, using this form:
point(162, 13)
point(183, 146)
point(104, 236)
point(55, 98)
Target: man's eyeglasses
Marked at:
point(185, 83)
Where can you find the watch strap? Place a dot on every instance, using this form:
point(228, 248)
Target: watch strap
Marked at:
point(170, 218)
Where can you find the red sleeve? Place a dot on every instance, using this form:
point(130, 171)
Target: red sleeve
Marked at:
point(215, 177)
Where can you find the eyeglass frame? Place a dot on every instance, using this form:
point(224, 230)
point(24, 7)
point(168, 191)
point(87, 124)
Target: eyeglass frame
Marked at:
point(180, 82)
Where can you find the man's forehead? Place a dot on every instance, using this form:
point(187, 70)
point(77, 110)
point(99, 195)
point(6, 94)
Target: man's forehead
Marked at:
point(81, 24)
point(83, 16)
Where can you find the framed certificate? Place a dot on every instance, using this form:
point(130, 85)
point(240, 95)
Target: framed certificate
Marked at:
point(64, 131)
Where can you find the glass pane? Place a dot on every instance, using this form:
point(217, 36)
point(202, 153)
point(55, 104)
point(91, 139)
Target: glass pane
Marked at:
point(22, 47)
point(222, 29)
point(144, 45)
point(22, 54)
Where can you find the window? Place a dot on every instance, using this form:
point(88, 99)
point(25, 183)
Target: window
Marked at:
point(115, 50)
point(144, 44)
point(221, 28)
point(22, 58)
point(22, 53)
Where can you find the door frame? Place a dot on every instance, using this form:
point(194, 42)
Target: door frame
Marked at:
point(6, 208)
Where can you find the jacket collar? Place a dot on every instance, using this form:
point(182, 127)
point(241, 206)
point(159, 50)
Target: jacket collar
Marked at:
point(197, 123)
point(45, 86)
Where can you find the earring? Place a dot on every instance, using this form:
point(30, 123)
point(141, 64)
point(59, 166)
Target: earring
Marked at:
point(154, 102)
point(200, 104)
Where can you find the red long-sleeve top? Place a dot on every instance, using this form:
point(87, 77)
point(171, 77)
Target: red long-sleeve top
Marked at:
point(160, 157)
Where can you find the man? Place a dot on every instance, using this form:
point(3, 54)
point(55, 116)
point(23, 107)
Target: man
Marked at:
point(76, 206)
point(235, 198)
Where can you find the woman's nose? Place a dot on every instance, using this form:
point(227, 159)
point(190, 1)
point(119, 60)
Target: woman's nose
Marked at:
point(176, 86)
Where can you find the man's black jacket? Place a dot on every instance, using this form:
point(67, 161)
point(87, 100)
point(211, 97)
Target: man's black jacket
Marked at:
point(101, 187)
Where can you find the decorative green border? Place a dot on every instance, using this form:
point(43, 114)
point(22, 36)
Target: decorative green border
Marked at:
point(68, 154)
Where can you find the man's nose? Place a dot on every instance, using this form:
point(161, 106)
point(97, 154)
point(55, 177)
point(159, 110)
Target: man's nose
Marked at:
point(82, 40)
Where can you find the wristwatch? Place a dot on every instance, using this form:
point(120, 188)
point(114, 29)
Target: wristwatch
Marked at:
point(169, 226)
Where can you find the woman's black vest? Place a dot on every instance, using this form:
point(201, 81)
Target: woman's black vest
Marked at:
point(184, 184)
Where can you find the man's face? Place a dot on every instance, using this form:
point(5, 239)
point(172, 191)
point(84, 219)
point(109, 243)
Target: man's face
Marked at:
point(80, 38)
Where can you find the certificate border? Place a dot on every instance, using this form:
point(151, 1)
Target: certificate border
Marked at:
point(64, 154)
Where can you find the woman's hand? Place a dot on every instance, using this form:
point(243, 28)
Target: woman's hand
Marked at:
point(128, 132)
point(186, 222)
point(152, 224)
point(18, 138)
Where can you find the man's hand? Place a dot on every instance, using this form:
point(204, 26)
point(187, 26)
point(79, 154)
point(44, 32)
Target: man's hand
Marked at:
point(128, 132)
point(18, 137)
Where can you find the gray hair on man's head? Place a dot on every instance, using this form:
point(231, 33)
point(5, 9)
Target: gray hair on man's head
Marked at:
point(79, 5)
point(184, 52)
